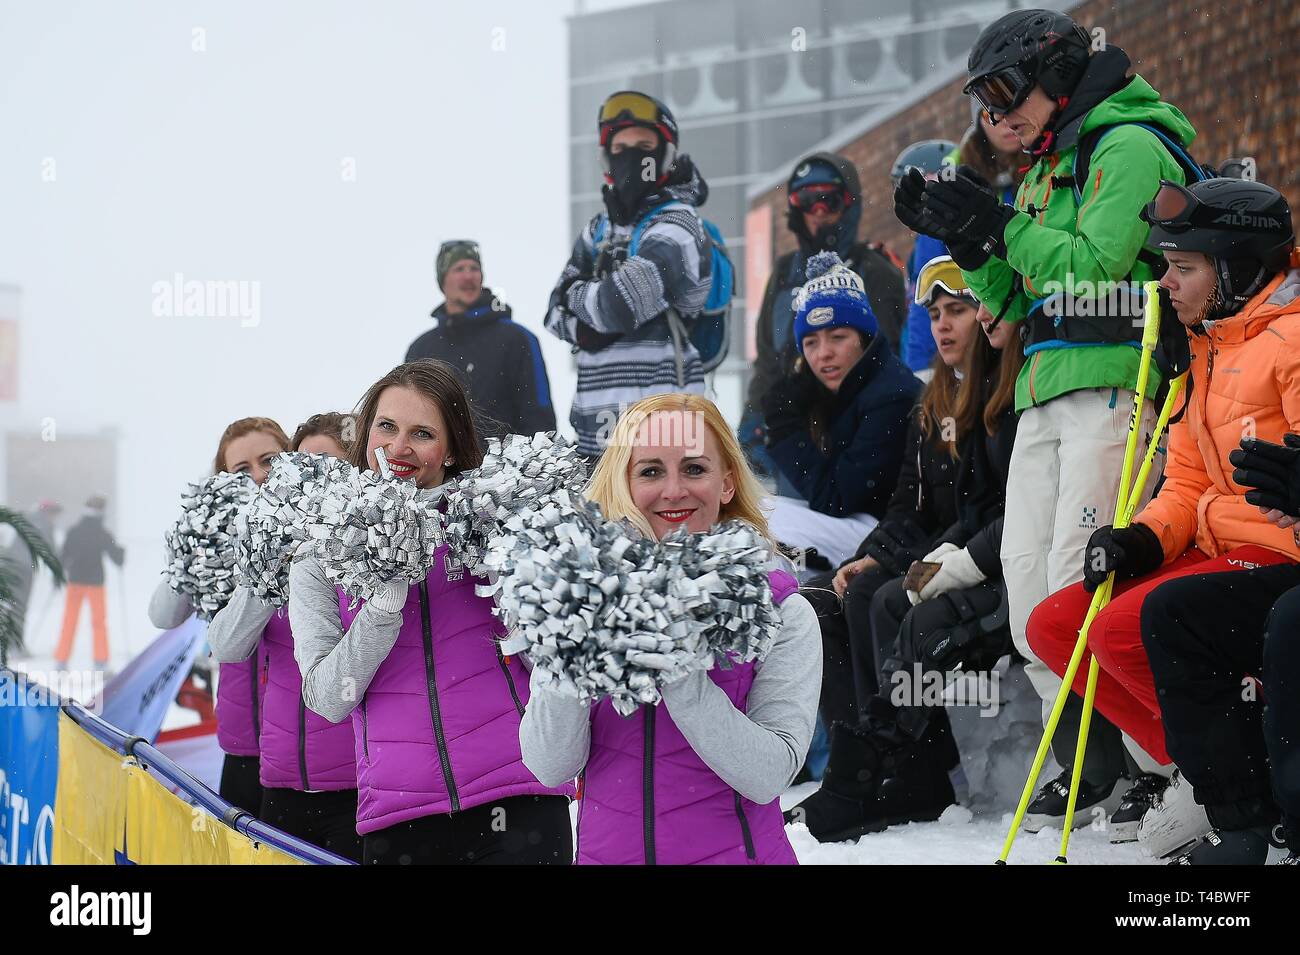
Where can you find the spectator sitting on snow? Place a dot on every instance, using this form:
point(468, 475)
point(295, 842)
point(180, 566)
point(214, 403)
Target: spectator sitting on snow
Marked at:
point(946, 509)
point(835, 426)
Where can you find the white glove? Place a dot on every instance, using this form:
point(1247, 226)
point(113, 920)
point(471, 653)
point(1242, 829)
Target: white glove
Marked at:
point(936, 555)
point(958, 570)
point(390, 597)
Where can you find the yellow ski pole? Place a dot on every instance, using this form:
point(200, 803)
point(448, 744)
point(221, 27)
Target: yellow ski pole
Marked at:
point(1122, 519)
point(1150, 336)
point(1049, 731)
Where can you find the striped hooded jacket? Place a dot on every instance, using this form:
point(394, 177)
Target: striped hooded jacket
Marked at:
point(630, 349)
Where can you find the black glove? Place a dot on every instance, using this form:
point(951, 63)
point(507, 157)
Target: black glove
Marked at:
point(968, 255)
point(909, 207)
point(895, 544)
point(610, 259)
point(1128, 551)
point(972, 212)
point(1271, 471)
point(787, 405)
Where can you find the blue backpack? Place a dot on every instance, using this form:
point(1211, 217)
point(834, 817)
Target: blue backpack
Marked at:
point(1088, 142)
point(710, 332)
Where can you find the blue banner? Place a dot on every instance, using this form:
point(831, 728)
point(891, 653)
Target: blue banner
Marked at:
point(29, 770)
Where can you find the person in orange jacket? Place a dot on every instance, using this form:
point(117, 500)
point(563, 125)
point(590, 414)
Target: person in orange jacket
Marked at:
point(1229, 246)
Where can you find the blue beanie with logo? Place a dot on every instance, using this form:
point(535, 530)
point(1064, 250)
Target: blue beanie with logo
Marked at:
point(832, 297)
point(815, 172)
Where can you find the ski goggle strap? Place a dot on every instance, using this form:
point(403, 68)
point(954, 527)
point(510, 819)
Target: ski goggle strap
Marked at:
point(1000, 93)
point(940, 274)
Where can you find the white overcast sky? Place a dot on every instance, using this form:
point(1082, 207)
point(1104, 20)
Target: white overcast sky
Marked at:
point(227, 164)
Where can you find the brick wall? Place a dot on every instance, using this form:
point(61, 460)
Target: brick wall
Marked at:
point(1232, 67)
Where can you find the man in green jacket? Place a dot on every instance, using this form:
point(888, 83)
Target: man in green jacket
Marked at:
point(1038, 263)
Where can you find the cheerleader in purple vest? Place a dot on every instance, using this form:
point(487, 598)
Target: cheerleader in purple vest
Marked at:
point(696, 778)
point(247, 446)
point(418, 669)
point(306, 766)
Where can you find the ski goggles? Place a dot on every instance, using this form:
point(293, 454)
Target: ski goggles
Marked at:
point(821, 197)
point(1175, 208)
point(940, 275)
point(453, 245)
point(999, 93)
point(633, 109)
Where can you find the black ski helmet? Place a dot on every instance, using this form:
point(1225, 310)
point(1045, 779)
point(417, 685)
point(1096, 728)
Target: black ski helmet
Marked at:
point(1243, 226)
point(1022, 49)
point(928, 156)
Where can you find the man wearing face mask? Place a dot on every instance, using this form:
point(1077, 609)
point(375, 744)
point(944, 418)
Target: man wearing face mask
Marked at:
point(824, 209)
point(640, 272)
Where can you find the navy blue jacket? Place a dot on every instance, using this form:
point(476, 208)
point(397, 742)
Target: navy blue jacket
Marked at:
point(500, 364)
point(864, 439)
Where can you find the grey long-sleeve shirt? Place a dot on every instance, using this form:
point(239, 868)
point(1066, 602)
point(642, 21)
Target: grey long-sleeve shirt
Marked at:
point(237, 628)
point(336, 667)
point(756, 753)
point(167, 608)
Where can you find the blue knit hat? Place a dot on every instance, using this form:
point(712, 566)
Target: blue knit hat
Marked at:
point(833, 297)
point(813, 172)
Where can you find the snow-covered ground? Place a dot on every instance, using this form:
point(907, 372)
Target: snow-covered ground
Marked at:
point(956, 839)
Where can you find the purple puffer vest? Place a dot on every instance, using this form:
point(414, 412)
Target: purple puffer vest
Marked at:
point(239, 709)
point(300, 749)
point(438, 728)
point(647, 798)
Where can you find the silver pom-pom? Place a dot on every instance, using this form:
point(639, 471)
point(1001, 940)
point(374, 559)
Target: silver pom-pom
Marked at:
point(721, 577)
point(519, 473)
point(608, 613)
point(276, 524)
point(201, 544)
point(373, 529)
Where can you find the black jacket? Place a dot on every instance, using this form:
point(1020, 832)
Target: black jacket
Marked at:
point(857, 465)
point(500, 365)
point(959, 501)
point(84, 548)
